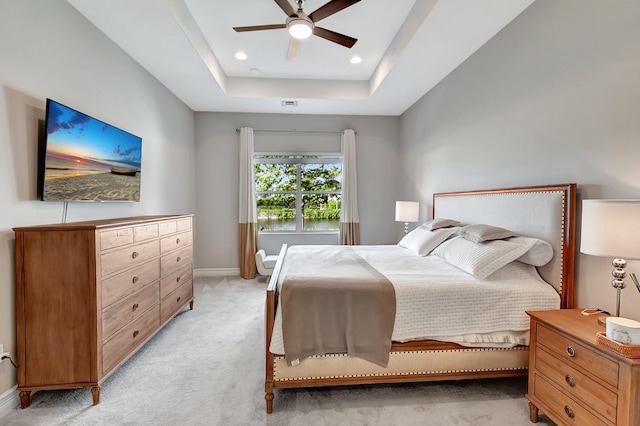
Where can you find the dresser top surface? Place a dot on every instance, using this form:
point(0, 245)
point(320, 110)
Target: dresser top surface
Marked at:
point(101, 223)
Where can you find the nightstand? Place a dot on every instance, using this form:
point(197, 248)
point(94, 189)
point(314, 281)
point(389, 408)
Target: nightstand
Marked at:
point(573, 379)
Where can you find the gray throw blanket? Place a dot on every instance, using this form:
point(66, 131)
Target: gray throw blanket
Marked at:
point(333, 301)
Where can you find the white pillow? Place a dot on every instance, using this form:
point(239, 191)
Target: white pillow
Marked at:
point(539, 255)
point(481, 259)
point(422, 241)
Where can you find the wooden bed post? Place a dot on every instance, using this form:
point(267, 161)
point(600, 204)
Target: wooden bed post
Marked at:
point(269, 320)
point(270, 316)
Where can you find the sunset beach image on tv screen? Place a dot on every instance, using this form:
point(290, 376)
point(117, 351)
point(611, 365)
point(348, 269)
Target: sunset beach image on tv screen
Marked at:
point(87, 159)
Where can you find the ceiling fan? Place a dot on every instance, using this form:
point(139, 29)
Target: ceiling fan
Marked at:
point(301, 25)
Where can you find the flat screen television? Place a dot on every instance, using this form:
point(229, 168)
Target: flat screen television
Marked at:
point(85, 159)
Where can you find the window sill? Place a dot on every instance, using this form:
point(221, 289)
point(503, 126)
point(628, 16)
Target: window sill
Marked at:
point(298, 232)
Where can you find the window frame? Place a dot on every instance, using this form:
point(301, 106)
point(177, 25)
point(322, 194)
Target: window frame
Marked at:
point(299, 159)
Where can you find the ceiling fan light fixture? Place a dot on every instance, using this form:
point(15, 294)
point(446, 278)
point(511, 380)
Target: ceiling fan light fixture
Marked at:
point(300, 28)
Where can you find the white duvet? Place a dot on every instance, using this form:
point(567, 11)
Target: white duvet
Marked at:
point(437, 301)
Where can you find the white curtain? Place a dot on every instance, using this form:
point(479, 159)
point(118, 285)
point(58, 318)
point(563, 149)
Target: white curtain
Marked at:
point(349, 220)
point(247, 214)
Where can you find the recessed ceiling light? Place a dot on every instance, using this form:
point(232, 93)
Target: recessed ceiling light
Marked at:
point(241, 56)
point(356, 60)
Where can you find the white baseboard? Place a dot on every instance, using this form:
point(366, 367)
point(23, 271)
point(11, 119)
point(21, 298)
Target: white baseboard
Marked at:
point(216, 272)
point(9, 401)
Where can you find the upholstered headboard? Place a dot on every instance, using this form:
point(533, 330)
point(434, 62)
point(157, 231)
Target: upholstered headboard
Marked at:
point(545, 212)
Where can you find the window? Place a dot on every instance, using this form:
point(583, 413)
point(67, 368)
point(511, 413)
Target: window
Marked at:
point(298, 193)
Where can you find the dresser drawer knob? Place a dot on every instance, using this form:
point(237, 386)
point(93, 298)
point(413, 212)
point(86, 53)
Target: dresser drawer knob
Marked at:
point(134, 254)
point(570, 380)
point(177, 240)
point(135, 306)
point(135, 333)
point(135, 279)
point(178, 259)
point(571, 352)
point(178, 299)
point(178, 279)
point(569, 411)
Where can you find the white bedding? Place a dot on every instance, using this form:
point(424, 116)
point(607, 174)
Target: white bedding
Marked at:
point(437, 301)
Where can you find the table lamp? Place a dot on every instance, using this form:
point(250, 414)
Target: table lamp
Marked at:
point(407, 211)
point(611, 228)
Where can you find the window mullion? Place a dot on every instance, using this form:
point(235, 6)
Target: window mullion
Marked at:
point(299, 219)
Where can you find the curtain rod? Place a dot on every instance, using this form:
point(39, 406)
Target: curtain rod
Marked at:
point(296, 131)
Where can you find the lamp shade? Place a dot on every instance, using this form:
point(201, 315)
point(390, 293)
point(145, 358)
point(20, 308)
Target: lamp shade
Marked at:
point(611, 228)
point(407, 211)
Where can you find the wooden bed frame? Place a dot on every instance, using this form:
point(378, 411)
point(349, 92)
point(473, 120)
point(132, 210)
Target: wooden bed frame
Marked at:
point(546, 212)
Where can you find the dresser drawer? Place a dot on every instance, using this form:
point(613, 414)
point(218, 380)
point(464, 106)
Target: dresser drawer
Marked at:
point(577, 384)
point(174, 242)
point(145, 232)
point(183, 224)
point(121, 285)
point(115, 238)
point(129, 337)
point(176, 300)
point(564, 409)
point(126, 310)
point(128, 257)
point(175, 260)
point(167, 227)
point(579, 355)
point(174, 280)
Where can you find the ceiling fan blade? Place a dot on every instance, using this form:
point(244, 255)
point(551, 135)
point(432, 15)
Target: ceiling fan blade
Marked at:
point(287, 8)
point(330, 8)
point(260, 27)
point(294, 49)
point(335, 37)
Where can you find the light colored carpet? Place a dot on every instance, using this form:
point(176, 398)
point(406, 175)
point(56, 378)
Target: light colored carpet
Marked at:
point(206, 367)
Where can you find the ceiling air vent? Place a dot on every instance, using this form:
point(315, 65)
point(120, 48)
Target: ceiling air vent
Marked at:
point(289, 104)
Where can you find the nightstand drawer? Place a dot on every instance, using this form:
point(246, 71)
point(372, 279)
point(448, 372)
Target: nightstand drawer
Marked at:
point(579, 355)
point(577, 384)
point(566, 410)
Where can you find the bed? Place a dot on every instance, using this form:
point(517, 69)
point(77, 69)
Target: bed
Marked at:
point(541, 213)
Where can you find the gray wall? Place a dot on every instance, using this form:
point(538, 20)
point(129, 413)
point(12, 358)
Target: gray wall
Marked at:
point(217, 179)
point(49, 50)
point(553, 98)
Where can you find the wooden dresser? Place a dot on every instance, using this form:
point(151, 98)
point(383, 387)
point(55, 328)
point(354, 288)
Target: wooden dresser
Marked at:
point(90, 294)
point(573, 379)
